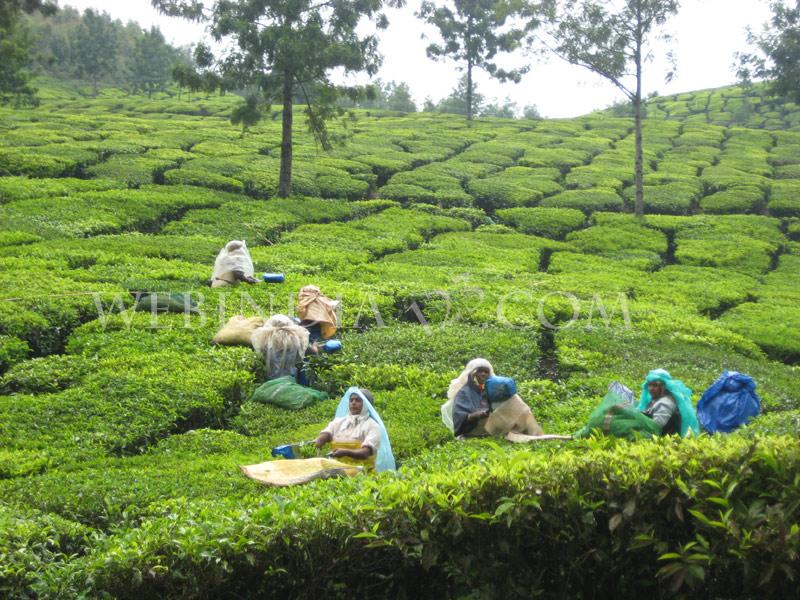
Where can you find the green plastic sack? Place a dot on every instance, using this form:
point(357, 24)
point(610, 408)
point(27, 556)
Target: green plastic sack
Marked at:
point(287, 393)
point(166, 302)
point(614, 416)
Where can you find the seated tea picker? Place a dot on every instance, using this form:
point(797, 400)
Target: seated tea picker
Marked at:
point(357, 433)
point(668, 402)
point(282, 343)
point(479, 403)
point(317, 313)
point(232, 265)
point(357, 436)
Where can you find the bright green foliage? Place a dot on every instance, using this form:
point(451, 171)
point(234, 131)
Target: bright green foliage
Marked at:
point(616, 241)
point(454, 485)
point(743, 199)
point(757, 321)
point(674, 198)
point(548, 222)
point(92, 213)
point(121, 433)
point(785, 198)
point(586, 200)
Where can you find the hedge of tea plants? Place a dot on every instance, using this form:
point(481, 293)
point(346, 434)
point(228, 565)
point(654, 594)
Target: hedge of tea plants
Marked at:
point(122, 430)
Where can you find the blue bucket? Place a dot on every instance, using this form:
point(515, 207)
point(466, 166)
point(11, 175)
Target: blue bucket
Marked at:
point(274, 277)
point(286, 451)
point(331, 346)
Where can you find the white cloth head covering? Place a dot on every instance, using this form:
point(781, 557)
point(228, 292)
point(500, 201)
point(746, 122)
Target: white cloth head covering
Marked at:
point(384, 459)
point(458, 383)
point(233, 257)
point(282, 343)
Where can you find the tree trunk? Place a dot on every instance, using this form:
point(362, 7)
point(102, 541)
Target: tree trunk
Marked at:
point(469, 93)
point(285, 184)
point(637, 117)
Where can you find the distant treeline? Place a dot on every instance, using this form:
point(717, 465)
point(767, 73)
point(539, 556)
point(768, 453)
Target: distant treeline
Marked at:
point(94, 48)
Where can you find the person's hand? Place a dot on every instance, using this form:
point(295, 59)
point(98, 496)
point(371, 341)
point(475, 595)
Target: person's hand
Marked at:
point(339, 452)
point(479, 414)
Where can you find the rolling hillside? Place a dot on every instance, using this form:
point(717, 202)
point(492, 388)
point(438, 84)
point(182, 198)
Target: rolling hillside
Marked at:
point(121, 432)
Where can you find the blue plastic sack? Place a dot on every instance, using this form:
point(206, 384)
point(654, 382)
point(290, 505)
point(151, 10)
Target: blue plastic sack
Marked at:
point(730, 402)
point(499, 388)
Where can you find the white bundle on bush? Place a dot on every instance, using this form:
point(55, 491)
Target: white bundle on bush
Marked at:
point(233, 257)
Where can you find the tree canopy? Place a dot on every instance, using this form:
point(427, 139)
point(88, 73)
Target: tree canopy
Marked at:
point(282, 47)
point(15, 44)
point(610, 39)
point(474, 32)
point(778, 51)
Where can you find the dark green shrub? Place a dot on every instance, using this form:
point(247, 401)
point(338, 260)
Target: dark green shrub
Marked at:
point(12, 350)
point(788, 172)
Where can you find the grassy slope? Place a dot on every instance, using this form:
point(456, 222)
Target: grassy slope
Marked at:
point(113, 428)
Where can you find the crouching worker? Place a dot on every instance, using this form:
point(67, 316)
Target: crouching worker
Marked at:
point(668, 402)
point(664, 408)
point(359, 441)
point(282, 343)
point(232, 265)
point(357, 434)
point(479, 403)
point(317, 313)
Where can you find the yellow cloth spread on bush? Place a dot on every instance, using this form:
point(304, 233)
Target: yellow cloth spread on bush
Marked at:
point(294, 472)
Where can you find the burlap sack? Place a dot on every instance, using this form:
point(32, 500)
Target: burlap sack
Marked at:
point(512, 415)
point(238, 331)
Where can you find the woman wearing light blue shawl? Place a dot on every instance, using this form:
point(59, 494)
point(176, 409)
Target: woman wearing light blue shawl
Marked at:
point(364, 425)
point(662, 396)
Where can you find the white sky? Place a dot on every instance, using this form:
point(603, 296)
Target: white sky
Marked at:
point(706, 33)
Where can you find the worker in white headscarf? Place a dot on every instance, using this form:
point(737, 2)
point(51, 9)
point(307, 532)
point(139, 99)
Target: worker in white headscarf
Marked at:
point(232, 265)
point(470, 411)
point(282, 343)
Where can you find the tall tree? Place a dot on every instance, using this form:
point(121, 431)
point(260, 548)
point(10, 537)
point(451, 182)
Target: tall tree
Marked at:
point(610, 38)
point(15, 44)
point(246, 114)
point(152, 61)
point(95, 47)
point(398, 97)
point(285, 46)
point(474, 32)
point(462, 99)
point(778, 51)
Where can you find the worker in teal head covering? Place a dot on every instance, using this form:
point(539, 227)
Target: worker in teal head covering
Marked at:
point(669, 403)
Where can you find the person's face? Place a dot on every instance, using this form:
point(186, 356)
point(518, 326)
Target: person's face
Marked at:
point(656, 389)
point(356, 404)
point(481, 375)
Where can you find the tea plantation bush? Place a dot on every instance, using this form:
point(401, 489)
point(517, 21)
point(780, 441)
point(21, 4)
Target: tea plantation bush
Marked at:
point(548, 222)
point(586, 200)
